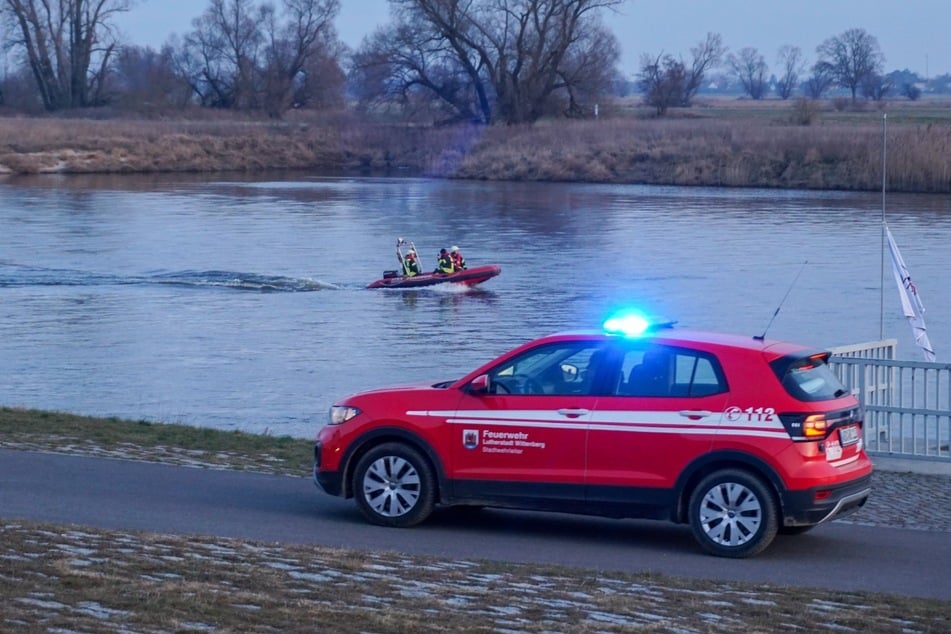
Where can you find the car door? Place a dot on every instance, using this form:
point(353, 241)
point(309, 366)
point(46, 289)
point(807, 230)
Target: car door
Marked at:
point(663, 413)
point(521, 435)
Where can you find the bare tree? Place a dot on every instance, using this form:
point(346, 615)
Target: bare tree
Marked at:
point(817, 85)
point(588, 71)
point(67, 45)
point(750, 70)
point(19, 91)
point(666, 81)
point(289, 47)
point(146, 78)
point(707, 55)
point(248, 56)
point(819, 82)
point(403, 66)
point(662, 80)
point(512, 60)
point(220, 54)
point(876, 87)
point(850, 57)
point(322, 82)
point(789, 60)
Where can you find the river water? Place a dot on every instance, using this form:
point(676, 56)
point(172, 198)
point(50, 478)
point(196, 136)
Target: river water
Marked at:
point(239, 303)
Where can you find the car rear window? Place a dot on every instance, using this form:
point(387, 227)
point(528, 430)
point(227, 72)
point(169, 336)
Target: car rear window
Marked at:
point(809, 378)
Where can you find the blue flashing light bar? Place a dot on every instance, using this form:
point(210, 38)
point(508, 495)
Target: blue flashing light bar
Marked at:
point(633, 324)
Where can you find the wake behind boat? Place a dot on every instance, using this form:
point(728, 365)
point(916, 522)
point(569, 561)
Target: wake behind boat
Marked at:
point(405, 278)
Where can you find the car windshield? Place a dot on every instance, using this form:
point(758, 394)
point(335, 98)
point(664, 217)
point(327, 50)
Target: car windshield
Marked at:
point(563, 368)
point(811, 379)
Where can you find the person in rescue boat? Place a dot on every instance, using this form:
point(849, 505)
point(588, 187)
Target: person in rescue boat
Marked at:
point(458, 261)
point(444, 263)
point(410, 264)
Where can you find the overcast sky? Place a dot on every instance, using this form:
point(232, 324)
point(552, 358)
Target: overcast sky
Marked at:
point(913, 34)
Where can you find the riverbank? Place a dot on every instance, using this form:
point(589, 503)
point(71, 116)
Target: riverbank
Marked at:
point(78, 578)
point(732, 144)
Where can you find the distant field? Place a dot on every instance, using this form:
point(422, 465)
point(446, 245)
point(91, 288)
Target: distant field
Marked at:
point(922, 112)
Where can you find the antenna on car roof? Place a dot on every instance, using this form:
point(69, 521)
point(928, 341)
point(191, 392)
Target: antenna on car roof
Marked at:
point(795, 279)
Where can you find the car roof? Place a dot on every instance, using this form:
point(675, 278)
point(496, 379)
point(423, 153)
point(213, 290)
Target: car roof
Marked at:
point(707, 339)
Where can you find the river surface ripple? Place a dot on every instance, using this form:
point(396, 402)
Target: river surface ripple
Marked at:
point(239, 303)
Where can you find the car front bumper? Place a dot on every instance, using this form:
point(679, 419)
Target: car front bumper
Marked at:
point(330, 481)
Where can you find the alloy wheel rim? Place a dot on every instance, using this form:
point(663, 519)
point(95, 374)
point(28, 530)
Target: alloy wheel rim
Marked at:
point(730, 514)
point(391, 486)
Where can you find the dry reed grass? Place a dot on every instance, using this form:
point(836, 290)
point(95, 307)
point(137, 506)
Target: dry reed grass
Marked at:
point(714, 145)
point(718, 153)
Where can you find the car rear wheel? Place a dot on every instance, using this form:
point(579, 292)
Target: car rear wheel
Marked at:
point(733, 514)
point(394, 486)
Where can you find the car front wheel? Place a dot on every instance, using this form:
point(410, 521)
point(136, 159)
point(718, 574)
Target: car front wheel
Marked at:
point(394, 486)
point(733, 514)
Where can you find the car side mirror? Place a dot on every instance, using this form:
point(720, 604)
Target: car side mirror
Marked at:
point(569, 372)
point(479, 385)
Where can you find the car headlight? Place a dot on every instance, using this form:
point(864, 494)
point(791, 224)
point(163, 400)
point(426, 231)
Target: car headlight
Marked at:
point(340, 414)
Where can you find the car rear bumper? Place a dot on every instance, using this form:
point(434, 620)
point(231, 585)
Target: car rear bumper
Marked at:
point(821, 504)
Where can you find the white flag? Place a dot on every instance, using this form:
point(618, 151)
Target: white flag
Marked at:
point(910, 302)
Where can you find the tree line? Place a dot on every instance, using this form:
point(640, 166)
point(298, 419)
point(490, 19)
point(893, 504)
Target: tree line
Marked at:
point(852, 60)
point(486, 61)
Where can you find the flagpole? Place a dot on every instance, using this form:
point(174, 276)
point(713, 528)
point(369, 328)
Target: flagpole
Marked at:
point(881, 318)
point(911, 305)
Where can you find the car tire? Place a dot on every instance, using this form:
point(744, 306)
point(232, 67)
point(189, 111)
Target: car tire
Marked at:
point(394, 486)
point(733, 514)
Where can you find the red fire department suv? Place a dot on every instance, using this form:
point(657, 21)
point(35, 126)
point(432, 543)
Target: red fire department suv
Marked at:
point(738, 436)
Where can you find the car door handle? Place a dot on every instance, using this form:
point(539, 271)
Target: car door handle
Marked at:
point(573, 413)
point(695, 414)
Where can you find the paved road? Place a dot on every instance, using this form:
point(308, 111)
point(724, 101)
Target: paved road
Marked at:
point(129, 495)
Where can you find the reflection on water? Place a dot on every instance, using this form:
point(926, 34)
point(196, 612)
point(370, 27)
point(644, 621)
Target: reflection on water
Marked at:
point(240, 303)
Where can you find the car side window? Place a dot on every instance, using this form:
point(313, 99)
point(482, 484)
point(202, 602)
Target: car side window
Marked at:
point(697, 375)
point(663, 371)
point(557, 369)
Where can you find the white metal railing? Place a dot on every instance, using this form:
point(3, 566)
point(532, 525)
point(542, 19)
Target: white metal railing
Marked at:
point(884, 349)
point(907, 403)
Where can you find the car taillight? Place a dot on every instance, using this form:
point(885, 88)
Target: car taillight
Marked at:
point(803, 427)
point(815, 426)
